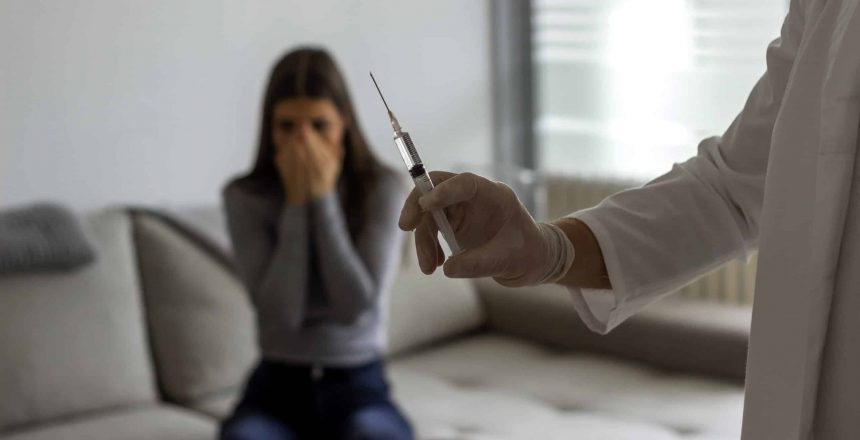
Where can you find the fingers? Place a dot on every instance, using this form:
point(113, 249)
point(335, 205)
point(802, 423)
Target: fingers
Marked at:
point(440, 176)
point(300, 162)
point(318, 149)
point(457, 189)
point(285, 161)
point(430, 254)
point(323, 162)
point(298, 176)
point(300, 151)
point(291, 162)
point(412, 213)
point(315, 155)
point(489, 260)
point(322, 151)
point(304, 132)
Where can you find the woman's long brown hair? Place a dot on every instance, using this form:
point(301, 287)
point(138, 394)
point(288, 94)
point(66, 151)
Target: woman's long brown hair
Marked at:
point(312, 73)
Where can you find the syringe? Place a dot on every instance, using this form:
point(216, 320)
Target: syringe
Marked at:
point(419, 175)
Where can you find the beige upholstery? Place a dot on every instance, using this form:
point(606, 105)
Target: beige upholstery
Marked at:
point(219, 406)
point(491, 386)
point(201, 324)
point(499, 387)
point(676, 334)
point(424, 309)
point(151, 423)
point(527, 378)
point(74, 342)
point(468, 361)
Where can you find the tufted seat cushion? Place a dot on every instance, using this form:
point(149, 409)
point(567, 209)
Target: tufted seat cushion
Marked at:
point(493, 386)
point(143, 423)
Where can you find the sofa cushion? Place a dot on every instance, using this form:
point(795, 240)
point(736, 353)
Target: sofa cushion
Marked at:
point(427, 308)
point(674, 333)
point(149, 423)
point(74, 342)
point(201, 324)
point(495, 386)
point(219, 406)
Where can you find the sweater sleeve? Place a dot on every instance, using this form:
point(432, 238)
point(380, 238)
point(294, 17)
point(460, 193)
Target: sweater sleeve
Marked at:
point(355, 272)
point(271, 247)
point(703, 213)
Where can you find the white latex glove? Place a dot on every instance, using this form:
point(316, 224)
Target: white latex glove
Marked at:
point(499, 237)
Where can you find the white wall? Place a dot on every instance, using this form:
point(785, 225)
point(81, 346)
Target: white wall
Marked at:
point(155, 102)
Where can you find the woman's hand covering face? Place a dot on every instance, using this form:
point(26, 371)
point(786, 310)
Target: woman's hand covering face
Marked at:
point(308, 138)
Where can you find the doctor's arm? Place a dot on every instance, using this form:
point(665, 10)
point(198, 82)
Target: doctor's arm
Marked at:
point(641, 243)
point(701, 214)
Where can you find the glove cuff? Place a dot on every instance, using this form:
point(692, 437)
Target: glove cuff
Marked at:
point(560, 252)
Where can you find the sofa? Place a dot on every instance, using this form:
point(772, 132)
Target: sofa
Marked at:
point(155, 338)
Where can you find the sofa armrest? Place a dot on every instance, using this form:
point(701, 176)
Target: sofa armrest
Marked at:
point(675, 334)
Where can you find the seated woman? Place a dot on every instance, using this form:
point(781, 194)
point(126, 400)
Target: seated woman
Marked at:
point(314, 228)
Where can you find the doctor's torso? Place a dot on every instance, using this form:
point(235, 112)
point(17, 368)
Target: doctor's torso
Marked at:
point(808, 190)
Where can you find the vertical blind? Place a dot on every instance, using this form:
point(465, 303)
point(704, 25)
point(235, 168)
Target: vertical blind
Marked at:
point(627, 87)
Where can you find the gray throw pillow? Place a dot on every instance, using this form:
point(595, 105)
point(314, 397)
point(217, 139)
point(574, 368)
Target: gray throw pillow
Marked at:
point(41, 237)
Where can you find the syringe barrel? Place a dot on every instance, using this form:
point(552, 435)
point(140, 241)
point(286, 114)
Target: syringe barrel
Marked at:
point(425, 185)
point(407, 149)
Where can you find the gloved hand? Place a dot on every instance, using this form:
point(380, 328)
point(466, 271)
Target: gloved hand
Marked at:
point(499, 237)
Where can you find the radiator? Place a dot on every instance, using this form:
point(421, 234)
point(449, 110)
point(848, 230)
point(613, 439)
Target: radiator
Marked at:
point(732, 283)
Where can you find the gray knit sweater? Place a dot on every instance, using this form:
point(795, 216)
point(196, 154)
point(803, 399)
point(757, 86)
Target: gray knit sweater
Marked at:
point(317, 291)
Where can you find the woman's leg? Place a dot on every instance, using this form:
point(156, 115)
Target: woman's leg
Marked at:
point(255, 425)
point(377, 422)
point(258, 415)
point(356, 405)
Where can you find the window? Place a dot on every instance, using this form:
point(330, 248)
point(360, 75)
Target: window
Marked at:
point(625, 88)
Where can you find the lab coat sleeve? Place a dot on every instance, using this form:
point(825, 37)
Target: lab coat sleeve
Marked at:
point(703, 213)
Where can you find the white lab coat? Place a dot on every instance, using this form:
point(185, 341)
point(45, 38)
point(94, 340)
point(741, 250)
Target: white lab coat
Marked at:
point(781, 179)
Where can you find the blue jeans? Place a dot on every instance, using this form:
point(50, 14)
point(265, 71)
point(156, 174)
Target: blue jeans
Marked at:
point(290, 401)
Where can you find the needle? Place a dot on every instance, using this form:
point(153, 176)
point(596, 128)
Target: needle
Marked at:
point(380, 92)
point(394, 123)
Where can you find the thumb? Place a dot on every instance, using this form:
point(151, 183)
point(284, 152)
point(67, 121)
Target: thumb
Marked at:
point(487, 260)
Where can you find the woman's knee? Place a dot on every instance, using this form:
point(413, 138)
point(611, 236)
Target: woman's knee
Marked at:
point(255, 426)
point(378, 423)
